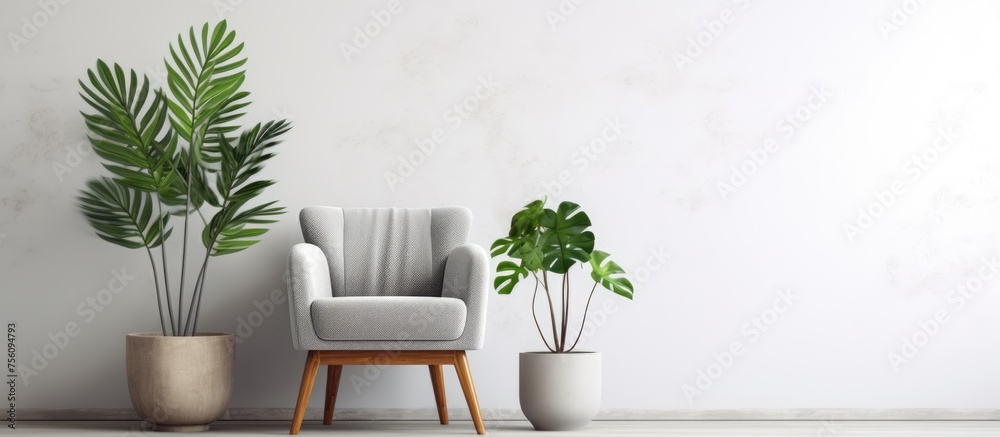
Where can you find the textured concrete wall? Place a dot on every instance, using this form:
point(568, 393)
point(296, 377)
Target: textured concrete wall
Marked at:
point(799, 189)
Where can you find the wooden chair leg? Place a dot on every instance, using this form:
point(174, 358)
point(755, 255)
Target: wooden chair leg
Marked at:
point(437, 380)
point(465, 377)
point(305, 389)
point(332, 384)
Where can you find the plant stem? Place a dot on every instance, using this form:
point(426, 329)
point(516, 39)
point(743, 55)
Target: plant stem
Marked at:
point(156, 283)
point(166, 274)
point(196, 292)
point(201, 291)
point(203, 221)
point(565, 312)
point(187, 214)
point(537, 325)
point(584, 321)
point(552, 313)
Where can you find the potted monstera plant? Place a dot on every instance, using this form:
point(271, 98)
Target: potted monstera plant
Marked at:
point(179, 155)
point(560, 388)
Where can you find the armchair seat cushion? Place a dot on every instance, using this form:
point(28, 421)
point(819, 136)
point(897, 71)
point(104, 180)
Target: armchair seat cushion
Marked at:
point(388, 318)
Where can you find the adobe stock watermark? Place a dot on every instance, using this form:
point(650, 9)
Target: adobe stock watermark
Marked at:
point(915, 167)
point(263, 310)
point(655, 261)
point(159, 414)
point(224, 7)
point(752, 331)
point(494, 417)
point(12, 343)
point(366, 33)
point(562, 12)
point(418, 322)
point(785, 128)
point(283, 113)
point(87, 310)
point(157, 75)
point(141, 429)
point(454, 116)
point(900, 15)
point(827, 428)
point(33, 24)
point(929, 328)
point(74, 156)
point(584, 156)
point(712, 30)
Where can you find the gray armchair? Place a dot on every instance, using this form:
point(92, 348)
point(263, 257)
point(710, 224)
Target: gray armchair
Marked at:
point(387, 286)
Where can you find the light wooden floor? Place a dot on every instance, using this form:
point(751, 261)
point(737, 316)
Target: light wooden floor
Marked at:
point(518, 428)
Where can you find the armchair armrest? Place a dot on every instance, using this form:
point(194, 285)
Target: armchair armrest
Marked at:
point(467, 277)
point(308, 280)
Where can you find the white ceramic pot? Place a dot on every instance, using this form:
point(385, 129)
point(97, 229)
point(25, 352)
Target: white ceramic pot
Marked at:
point(560, 392)
point(180, 383)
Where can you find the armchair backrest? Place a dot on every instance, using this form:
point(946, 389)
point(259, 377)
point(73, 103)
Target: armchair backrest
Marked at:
point(386, 251)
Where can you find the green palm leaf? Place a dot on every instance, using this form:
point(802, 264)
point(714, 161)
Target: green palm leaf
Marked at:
point(123, 215)
point(201, 191)
point(204, 80)
point(129, 130)
point(232, 227)
point(175, 151)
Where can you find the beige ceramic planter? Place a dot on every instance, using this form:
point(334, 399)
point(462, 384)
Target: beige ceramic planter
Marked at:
point(180, 383)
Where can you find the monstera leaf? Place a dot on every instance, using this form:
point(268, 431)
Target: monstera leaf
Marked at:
point(500, 247)
point(527, 220)
point(508, 275)
point(541, 239)
point(565, 239)
point(529, 251)
point(522, 242)
point(609, 274)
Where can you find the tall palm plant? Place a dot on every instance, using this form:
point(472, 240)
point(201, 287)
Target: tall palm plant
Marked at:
point(176, 154)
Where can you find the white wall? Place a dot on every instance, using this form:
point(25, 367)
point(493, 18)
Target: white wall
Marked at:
point(654, 188)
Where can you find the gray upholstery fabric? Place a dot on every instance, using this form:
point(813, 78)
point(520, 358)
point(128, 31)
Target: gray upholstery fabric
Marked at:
point(388, 318)
point(388, 252)
point(324, 227)
point(355, 252)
